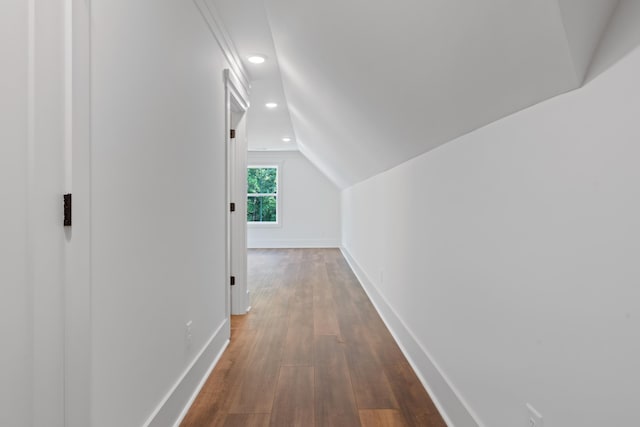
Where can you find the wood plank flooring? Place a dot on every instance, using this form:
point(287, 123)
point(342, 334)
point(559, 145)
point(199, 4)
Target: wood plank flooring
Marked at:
point(312, 352)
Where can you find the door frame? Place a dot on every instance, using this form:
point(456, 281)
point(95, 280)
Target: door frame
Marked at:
point(77, 298)
point(236, 98)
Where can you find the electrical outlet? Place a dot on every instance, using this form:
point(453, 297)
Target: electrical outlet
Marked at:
point(534, 418)
point(188, 333)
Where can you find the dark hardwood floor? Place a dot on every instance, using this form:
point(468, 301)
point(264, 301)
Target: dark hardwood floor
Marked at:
point(312, 352)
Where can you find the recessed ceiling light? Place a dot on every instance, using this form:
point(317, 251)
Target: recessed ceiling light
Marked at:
point(256, 59)
point(286, 139)
point(271, 105)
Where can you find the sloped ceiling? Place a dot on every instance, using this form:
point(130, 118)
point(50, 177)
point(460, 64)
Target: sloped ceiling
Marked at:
point(371, 84)
point(246, 23)
point(585, 22)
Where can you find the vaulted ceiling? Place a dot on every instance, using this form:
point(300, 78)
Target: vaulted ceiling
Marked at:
point(365, 85)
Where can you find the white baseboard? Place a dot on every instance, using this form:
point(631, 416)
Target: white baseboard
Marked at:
point(455, 411)
point(293, 243)
point(175, 405)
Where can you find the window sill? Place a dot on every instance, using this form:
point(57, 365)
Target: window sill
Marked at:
point(264, 224)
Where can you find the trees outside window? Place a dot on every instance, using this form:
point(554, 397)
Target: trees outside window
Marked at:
point(262, 194)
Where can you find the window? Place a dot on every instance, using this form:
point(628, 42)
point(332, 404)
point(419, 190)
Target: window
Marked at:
point(262, 194)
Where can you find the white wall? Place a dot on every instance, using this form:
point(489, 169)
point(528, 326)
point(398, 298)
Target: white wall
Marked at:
point(31, 231)
point(158, 207)
point(310, 205)
point(510, 257)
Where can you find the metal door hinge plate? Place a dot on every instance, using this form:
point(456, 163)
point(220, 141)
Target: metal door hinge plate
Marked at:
point(67, 210)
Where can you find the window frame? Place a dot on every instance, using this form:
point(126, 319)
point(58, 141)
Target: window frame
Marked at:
point(278, 195)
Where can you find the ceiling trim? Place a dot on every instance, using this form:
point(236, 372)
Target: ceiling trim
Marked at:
point(219, 32)
point(237, 89)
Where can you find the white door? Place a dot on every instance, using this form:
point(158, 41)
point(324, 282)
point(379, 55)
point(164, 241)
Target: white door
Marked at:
point(237, 105)
point(239, 295)
point(32, 236)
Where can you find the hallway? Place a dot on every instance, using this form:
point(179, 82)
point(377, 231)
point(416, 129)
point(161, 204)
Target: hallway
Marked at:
point(312, 352)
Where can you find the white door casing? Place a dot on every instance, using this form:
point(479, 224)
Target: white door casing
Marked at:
point(236, 106)
point(32, 182)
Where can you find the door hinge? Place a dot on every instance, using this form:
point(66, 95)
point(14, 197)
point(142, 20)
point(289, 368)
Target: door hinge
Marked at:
point(232, 133)
point(233, 280)
point(232, 207)
point(67, 210)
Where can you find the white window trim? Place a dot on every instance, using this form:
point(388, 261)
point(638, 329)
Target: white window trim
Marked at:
point(278, 166)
